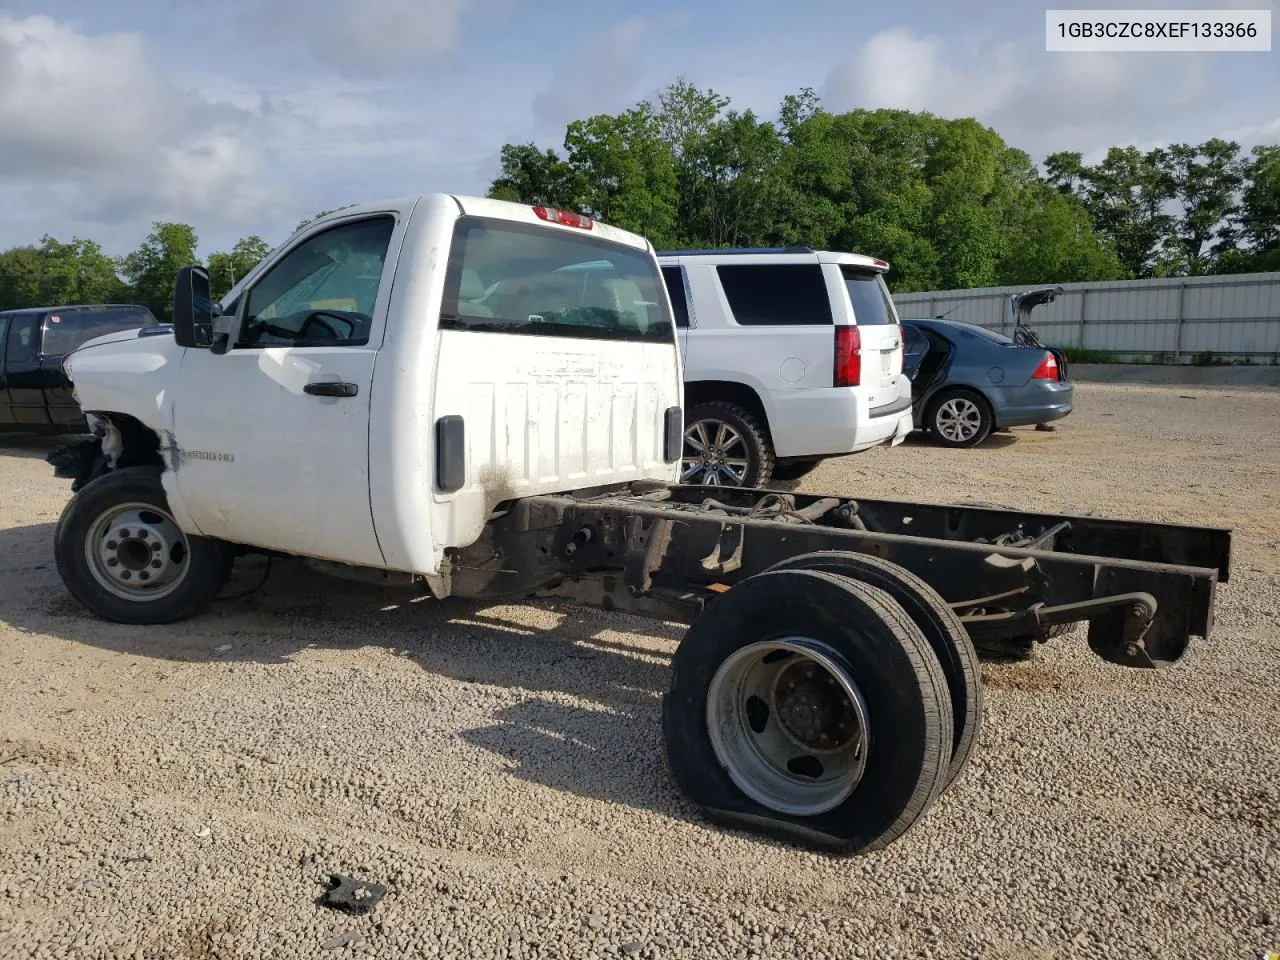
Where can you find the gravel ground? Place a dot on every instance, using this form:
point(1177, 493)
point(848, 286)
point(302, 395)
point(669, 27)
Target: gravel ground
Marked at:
point(184, 792)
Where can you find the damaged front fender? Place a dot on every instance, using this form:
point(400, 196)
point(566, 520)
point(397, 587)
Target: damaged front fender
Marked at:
point(117, 441)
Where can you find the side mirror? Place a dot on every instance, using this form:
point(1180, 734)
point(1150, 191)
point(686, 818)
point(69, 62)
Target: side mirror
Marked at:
point(192, 309)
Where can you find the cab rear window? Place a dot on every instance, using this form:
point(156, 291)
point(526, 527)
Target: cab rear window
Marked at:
point(507, 277)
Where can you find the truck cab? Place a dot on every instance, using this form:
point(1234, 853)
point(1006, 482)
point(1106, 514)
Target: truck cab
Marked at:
point(381, 382)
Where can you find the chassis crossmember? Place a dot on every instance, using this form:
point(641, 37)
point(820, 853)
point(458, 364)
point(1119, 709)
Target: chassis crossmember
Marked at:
point(668, 551)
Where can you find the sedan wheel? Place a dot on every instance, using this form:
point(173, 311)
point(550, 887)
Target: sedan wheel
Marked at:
point(960, 420)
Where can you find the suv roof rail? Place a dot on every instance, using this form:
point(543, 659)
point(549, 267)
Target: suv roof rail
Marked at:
point(733, 251)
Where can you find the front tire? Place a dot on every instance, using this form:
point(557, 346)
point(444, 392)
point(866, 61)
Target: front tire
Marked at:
point(725, 445)
point(808, 707)
point(960, 418)
point(121, 554)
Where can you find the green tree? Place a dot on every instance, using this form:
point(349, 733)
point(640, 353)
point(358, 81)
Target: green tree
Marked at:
point(1127, 195)
point(626, 171)
point(151, 268)
point(534, 176)
point(815, 174)
point(686, 118)
point(1206, 181)
point(1055, 242)
point(1260, 200)
point(21, 272)
point(59, 273)
point(225, 269)
point(79, 272)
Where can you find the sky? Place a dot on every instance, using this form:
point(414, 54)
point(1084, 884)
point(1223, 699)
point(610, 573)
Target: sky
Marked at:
point(244, 116)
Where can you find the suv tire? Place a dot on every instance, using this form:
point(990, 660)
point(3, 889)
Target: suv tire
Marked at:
point(725, 445)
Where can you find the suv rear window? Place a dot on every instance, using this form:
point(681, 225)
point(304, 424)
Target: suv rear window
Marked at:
point(784, 294)
point(66, 331)
point(520, 278)
point(871, 301)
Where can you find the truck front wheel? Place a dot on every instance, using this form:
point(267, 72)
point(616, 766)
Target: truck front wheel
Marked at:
point(121, 554)
point(810, 707)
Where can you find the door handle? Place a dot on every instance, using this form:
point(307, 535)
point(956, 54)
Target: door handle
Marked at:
point(331, 388)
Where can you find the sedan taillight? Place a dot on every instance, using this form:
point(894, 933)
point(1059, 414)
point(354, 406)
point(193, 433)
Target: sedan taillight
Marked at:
point(1048, 369)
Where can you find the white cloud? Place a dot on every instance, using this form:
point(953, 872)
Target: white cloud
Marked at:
point(606, 73)
point(901, 70)
point(354, 37)
point(1045, 102)
point(96, 141)
point(70, 103)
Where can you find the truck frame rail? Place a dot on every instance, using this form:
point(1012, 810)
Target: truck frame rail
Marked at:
point(1144, 588)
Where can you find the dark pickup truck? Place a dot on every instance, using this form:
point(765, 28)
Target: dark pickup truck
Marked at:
point(35, 395)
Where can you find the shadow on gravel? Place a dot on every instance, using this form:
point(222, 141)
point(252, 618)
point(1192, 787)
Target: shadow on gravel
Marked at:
point(586, 655)
point(994, 441)
point(33, 446)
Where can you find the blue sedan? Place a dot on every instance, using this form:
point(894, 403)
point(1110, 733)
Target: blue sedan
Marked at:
point(967, 381)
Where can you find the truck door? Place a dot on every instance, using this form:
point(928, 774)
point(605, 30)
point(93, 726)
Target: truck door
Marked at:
point(24, 386)
point(274, 434)
point(6, 408)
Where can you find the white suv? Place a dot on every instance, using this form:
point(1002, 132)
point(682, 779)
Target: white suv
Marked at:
point(791, 356)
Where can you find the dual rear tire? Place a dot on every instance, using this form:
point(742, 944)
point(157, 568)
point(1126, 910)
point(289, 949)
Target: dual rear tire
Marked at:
point(827, 701)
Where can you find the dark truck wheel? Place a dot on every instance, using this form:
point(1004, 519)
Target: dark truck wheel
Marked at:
point(941, 627)
point(121, 554)
point(809, 707)
point(725, 445)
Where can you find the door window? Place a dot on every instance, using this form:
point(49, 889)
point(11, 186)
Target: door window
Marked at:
point(21, 338)
point(322, 292)
point(914, 346)
point(784, 294)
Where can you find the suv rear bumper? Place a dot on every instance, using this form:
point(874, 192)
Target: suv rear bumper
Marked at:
point(828, 423)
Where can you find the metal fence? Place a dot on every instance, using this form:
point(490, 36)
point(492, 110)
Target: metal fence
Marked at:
point(1220, 319)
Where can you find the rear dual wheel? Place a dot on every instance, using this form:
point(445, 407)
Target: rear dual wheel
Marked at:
point(942, 629)
point(808, 705)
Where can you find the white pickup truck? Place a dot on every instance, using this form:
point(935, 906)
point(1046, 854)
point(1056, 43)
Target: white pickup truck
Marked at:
point(484, 399)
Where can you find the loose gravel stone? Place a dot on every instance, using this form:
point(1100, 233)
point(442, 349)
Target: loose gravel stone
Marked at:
point(500, 767)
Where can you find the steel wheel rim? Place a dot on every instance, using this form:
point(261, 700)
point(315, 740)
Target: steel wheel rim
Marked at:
point(136, 551)
point(959, 419)
point(789, 725)
point(715, 454)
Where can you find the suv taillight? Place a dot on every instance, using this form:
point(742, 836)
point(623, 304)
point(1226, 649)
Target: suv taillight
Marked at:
point(1048, 369)
point(848, 357)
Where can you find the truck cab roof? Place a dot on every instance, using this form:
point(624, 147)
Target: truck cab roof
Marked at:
point(467, 205)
